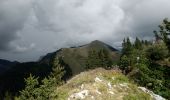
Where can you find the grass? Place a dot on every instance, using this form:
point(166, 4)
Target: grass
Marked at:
point(119, 92)
point(132, 96)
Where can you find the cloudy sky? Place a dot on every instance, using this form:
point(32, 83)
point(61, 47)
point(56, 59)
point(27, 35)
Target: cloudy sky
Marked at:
point(32, 28)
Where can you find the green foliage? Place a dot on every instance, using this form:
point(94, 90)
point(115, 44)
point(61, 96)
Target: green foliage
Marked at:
point(157, 52)
point(105, 58)
point(164, 32)
point(36, 90)
point(96, 59)
point(133, 96)
point(138, 44)
point(93, 60)
point(29, 93)
point(58, 70)
point(127, 47)
point(141, 63)
point(8, 96)
point(124, 63)
point(13, 79)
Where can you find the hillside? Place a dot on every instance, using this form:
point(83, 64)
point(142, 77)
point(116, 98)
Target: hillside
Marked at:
point(76, 57)
point(5, 65)
point(101, 84)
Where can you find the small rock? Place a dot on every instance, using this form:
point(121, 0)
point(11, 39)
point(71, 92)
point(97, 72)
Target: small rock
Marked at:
point(98, 79)
point(124, 85)
point(82, 87)
point(98, 92)
point(111, 92)
point(109, 85)
point(113, 78)
point(81, 95)
point(92, 97)
point(155, 96)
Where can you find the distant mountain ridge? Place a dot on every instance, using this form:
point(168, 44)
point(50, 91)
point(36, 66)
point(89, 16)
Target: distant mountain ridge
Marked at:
point(76, 57)
point(5, 65)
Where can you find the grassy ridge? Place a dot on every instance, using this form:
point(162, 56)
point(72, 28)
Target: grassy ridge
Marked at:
point(121, 88)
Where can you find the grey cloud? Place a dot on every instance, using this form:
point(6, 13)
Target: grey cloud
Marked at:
point(88, 20)
point(22, 49)
point(52, 24)
point(13, 14)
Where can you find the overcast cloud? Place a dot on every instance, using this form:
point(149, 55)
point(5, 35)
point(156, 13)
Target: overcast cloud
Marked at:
point(32, 28)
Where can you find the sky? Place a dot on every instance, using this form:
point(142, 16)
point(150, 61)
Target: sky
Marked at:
point(31, 28)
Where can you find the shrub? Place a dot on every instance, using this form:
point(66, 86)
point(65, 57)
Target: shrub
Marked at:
point(157, 52)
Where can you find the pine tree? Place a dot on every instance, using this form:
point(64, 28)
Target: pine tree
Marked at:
point(58, 70)
point(35, 90)
point(98, 59)
point(124, 63)
point(129, 44)
point(137, 44)
point(124, 45)
point(93, 60)
point(127, 47)
point(105, 59)
point(164, 32)
point(29, 93)
point(147, 43)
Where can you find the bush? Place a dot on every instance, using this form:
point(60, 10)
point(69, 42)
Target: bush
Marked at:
point(157, 52)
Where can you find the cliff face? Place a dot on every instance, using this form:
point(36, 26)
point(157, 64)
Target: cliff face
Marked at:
point(101, 84)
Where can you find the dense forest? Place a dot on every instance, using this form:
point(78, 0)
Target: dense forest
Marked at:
point(145, 62)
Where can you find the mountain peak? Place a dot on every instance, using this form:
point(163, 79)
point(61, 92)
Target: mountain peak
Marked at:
point(76, 57)
point(96, 41)
point(97, 44)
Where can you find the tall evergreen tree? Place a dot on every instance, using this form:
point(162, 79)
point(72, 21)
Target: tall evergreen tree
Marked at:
point(58, 70)
point(164, 32)
point(29, 93)
point(137, 44)
point(105, 58)
point(127, 47)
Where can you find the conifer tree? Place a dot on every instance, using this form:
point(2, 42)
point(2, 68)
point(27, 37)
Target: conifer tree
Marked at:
point(29, 93)
point(147, 43)
point(127, 47)
point(124, 63)
point(164, 32)
point(98, 59)
point(105, 59)
point(124, 46)
point(129, 44)
point(137, 44)
point(35, 90)
point(93, 60)
point(58, 70)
